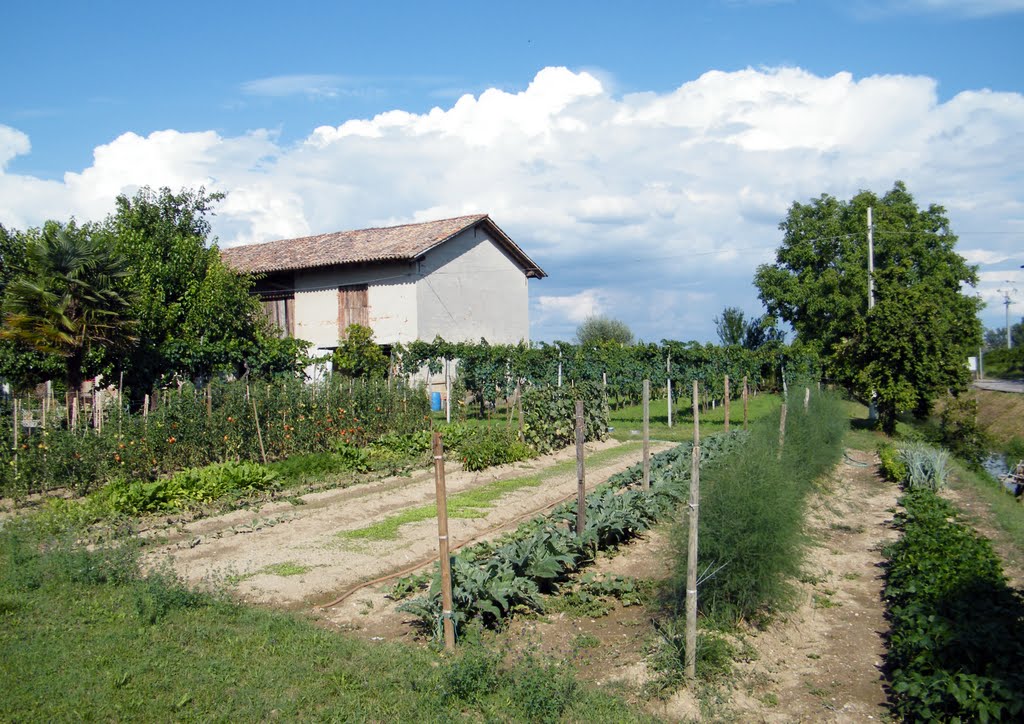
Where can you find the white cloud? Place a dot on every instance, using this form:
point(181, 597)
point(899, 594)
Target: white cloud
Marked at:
point(658, 206)
point(573, 307)
point(952, 8)
point(12, 143)
point(311, 85)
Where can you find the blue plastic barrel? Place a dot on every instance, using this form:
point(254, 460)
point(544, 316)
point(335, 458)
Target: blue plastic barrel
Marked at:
point(435, 401)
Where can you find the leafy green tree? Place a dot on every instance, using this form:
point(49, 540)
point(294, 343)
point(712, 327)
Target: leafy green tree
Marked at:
point(196, 316)
point(357, 355)
point(916, 341)
point(69, 301)
point(763, 331)
point(731, 327)
point(597, 329)
point(20, 365)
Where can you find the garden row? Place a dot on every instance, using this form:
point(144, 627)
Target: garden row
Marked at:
point(492, 580)
point(956, 652)
point(193, 427)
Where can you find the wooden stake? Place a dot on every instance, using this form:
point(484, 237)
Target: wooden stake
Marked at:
point(14, 411)
point(209, 399)
point(745, 398)
point(668, 377)
point(447, 614)
point(519, 407)
point(807, 398)
point(259, 435)
point(782, 429)
point(581, 484)
point(691, 550)
point(647, 435)
point(725, 403)
point(447, 393)
point(145, 407)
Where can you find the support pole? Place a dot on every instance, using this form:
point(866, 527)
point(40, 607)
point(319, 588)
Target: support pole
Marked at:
point(668, 378)
point(581, 483)
point(447, 612)
point(782, 429)
point(259, 434)
point(691, 550)
point(447, 392)
point(725, 403)
point(647, 435)
point(746, 396)
point(807, 398)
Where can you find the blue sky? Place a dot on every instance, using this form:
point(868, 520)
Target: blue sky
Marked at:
point(643, 153)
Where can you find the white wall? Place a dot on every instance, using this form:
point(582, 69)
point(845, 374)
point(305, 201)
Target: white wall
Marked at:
point(470, 288)
point(391, 297)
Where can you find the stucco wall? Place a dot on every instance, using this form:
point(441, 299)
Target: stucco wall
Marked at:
point(391, 298)
point(469, 288)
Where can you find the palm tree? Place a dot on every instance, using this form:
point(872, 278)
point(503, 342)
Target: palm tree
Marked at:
point(67, 301)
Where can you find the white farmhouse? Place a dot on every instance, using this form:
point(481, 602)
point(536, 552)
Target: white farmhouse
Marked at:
point(461, 279)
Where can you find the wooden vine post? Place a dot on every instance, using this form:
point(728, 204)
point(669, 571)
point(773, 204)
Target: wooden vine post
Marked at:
point(259, 434)
point(725, 402)
point(447, 613)
point(691, 550)
point(782, 429)
point(647, 435)
point(17, 424)
point(807, 398)
point(581, 483)
point(668, 379)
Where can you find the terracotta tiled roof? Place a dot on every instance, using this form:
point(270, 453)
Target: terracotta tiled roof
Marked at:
point(393, 243)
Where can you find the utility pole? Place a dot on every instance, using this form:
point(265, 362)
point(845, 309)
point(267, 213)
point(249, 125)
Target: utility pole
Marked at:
point(1007, 302)
point(871, 262)
point(872, 410)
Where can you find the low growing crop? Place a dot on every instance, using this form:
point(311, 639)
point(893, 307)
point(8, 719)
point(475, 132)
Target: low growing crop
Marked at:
point(492, 580)
point(956, 652)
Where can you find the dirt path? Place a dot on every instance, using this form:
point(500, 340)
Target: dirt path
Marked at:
point(823, 661)
point(295, 555)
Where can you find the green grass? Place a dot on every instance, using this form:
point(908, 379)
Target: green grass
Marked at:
point(1003, 509)
point(475, 503)
point(83, 635)
point(628, 421)
point(288, 568)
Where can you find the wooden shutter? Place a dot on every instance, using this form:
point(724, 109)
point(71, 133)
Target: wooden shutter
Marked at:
point(353, 307)
point(281, 313)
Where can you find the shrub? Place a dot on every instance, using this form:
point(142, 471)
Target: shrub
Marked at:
point(892, 464)
point(960, 431)
point(542, 692)
point(549, 415)
point(926, 465)
point(471, 675)
point(492, 446)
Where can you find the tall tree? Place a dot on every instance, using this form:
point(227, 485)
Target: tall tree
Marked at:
point(762, 331)
point(731, 327)
point(597, 329)
point(196, 316)
point(69, 300)
point(819, 284)
point(20, 365)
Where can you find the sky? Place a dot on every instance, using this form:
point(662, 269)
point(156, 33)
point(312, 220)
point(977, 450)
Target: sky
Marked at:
point(643, 153)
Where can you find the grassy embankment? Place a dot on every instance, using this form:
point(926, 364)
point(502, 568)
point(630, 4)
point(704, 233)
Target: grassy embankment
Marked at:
point(86, 635)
